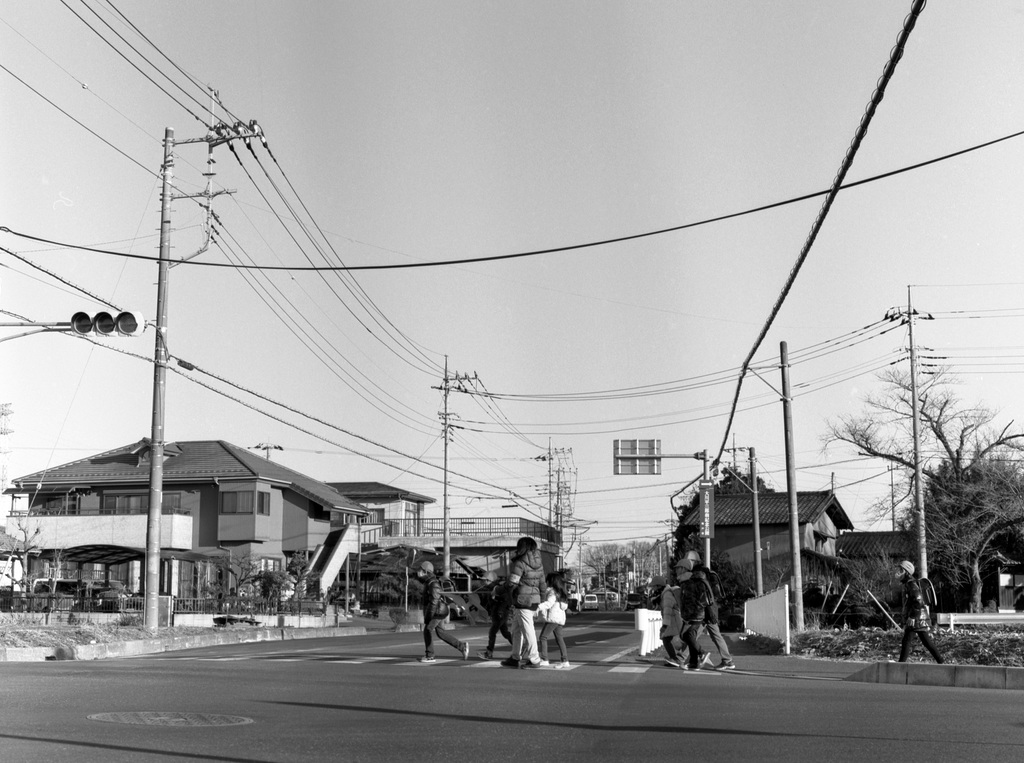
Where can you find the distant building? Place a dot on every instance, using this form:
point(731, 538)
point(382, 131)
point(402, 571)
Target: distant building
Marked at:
point(821, 518)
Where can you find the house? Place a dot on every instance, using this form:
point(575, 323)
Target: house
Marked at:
point(90, 516)
point(820, 517)
point(479, 546)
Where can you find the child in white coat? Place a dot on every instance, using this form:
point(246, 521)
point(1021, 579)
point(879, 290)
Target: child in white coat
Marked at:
point(552, 611)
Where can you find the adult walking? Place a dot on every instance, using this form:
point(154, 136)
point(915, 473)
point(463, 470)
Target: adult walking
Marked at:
point(694, 598)
point(435, 610)
point(916, 617)
point(671, 619)
point(711, 622)
point(526, 578)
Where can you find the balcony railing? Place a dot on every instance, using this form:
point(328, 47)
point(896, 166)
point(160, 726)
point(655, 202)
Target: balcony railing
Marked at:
point(477, 526)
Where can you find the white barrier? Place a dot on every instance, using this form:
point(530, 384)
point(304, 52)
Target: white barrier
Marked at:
point(648, 622)
point(768, 615)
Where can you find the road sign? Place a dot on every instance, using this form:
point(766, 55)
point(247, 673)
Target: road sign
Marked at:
point(706, 491)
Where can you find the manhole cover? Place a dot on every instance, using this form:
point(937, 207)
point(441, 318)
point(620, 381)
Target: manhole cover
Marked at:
point(171, 719)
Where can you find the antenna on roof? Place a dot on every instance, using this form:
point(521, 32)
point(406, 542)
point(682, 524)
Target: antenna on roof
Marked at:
point(266, 447)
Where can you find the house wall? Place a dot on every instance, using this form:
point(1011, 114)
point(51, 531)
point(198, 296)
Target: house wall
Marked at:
point(738, 541)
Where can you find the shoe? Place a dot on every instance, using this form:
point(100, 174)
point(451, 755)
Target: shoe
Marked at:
point(527, 664)
point(465, 651)
point(705, 660)
point(563, 665)
point(671, 663)
point(427, 659)
point(544, 664)
point(485, 655)
point(691, 667)
point(723, 665)
point(511, 662)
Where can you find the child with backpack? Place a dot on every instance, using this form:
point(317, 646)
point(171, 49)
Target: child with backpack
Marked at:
point(916, 618)
point(694, 598)
point(711, 623)
point(552, 611)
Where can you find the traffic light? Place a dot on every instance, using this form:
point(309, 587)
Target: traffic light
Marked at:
point(103, 323)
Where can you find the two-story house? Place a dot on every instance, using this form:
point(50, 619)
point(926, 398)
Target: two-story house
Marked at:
point(91, 515)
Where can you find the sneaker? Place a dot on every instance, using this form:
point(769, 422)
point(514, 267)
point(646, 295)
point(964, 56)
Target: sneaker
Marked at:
point(671, 664)
point(544, 664)
point(511, 662)
point(706, 660)
point(465, 651)
point(563, 665)
point(692, 667)
point(527, 664)
point(723, 665)
point(427, 659)
point(485, 655)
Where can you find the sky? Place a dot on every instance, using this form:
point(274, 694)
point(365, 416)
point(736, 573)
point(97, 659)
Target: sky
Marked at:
point(421, 136)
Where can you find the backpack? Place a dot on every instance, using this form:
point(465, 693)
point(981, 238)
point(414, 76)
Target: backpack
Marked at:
point(928, 593)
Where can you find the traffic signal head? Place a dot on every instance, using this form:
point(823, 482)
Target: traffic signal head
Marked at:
point(103, 323)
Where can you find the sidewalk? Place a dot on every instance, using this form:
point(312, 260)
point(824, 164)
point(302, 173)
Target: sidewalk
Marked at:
point(355, 626)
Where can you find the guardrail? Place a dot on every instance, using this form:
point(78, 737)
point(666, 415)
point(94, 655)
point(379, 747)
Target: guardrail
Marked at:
point(952, 619)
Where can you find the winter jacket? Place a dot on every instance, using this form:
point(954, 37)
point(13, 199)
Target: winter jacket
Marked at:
point(434, 604)
point(553, 609)
point(527, 579)
point(915, 611)
point(695, 596)
point(671, 615)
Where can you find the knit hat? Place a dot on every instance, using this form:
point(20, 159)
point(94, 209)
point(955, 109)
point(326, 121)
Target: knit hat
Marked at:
point(685, 564)
point(427, 567)
point(658, 580)
point(907, 567)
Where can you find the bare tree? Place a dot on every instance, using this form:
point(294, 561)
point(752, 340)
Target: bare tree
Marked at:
point(973, 484)
point(20, 548)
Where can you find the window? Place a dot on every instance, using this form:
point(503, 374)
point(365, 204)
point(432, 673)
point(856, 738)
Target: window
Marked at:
point(136, 503)
point(236, 503)
point(270, 564)
point(263, 503)
point(60, 504)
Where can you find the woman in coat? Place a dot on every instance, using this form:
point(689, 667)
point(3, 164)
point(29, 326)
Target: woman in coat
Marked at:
point(526, 580)
point(916, 618)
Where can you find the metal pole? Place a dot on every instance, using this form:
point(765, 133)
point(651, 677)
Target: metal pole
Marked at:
point(922, 550)
point(707, 540)
point(758, 576)
point(794, 517)
point(156, 445)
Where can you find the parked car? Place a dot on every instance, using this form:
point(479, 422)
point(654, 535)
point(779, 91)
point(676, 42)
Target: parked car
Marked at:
point(634, 601)
point(590, 601)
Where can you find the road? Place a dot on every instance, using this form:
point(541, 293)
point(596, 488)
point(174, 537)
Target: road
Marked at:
point(366, 698)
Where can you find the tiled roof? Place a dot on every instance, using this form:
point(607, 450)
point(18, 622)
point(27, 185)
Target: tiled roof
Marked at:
point(867, 545)
point(377, 491)
point(188, 461)
point(773, 509)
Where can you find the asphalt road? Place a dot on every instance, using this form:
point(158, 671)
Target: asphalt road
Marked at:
point(366, 698)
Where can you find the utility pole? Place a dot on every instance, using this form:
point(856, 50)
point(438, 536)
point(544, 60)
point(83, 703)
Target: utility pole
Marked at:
point(216, 134)
point(446, 428)
point(794, 517)
point(758, 575)
point(156, 443)
point(922, 550)
point(266, 447)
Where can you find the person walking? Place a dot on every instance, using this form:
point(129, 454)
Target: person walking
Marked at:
point(435, 610)
point(499, 608)
point(526, 578)
point(552, 611)
point(916, 618)
point(694, 598)
point(671, 619)
point(711, 622)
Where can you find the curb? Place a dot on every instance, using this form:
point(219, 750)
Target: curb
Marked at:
point(960, 676)
point(169, 643)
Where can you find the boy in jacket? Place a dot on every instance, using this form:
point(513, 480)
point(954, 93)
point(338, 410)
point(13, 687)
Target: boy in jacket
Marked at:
point(435, 610)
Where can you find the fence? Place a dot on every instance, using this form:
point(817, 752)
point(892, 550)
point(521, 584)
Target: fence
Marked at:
point(768, 615)
point(488, 526)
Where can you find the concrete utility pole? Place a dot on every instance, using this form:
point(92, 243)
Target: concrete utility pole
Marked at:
point(156, 444)
point(794, 516)
point(759, 576)
point(446, 428)
point(915, 407)
point(216, 135)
